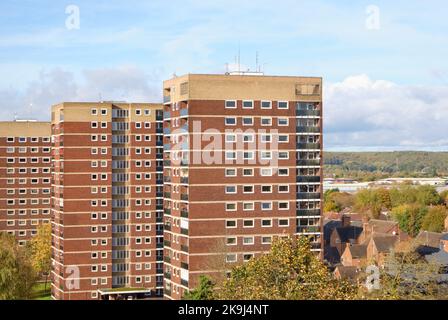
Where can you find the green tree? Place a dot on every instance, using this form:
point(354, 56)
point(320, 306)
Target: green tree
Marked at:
point(428, 195)
point(369, 201)
point(434, 220)
point(17, 276)
point(290, 271)
point(409, 217)
point(204, 291)
point(41, 251)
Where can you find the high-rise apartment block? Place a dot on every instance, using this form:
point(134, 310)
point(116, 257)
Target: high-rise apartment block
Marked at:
point(242, 165)
point(25, 177)
point(107, 201)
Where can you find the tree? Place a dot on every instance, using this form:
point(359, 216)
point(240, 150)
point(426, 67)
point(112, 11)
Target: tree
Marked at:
point(409, 218)
point(17, 276)
point(428, 195)
point(290, 271)
point(203, 292)
point(41, 251)
point(369, 201)
point(434, 220)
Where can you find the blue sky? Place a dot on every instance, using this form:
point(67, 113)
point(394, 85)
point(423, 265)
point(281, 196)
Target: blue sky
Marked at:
point(124, 49)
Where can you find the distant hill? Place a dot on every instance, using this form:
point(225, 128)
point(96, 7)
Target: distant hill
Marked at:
point(377, 165)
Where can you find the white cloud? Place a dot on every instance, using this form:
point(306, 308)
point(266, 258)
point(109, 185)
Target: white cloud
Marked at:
point(124, 83)
point(376, 114)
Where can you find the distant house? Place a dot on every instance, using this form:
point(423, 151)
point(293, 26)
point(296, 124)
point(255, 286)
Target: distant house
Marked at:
point(441, 256)
point(428, 242)
point(379, 247)
point(354, 256)
point(345, 234)
point(376, 226)
point(346, 273)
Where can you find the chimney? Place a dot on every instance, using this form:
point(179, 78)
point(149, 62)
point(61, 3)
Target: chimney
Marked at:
point(346, 219)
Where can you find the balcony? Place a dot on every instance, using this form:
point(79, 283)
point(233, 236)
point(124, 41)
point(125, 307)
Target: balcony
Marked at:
point(166, 179)
point(184, 180)
point(184, 231)
point(308, 229)
point(167, 130)
point(308, 129)
point(167, 243)
point(308, 212)
point(167, 259)
point(312, 146)
point(167, 212)
point(312, 162)
point(167, 163)
point(184, 112)
point(184, 197)
point(167, 195)
point(184, 282)
point(184, 214)
point(159, 143)
point(166, 115)
point(308, 179)
point(159, 232)
point(160, 246)
point(308, 195)
point(159, 194)
point(305, 113)
point(167, 275)
point(159, 169)
point(184, 248)
point(184, 265)
point(166, 99)
point(167, 147)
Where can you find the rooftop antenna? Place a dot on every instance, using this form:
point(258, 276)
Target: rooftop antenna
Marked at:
point(239, 57)
point(256, 62)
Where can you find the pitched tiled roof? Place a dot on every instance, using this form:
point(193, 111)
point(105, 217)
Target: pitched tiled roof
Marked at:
point(348, 233)
point(384, 243)
point(429, 239)
point(347, 272)
point(358, 251)
point(382, 226)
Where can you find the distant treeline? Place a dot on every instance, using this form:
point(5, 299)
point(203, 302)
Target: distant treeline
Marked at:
point(368, 166)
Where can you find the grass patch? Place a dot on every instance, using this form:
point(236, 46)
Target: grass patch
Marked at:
point(39, 292)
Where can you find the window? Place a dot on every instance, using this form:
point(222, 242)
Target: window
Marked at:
point(230, 121)
point(231, 155)
point(231, 206)
point(103, 112)
point(266, 189)
point(266, 223)
point(230, 138)
point(248, 241)
point(94, 112)
point(283, 222)
point(249, 155)
point(266, 240)
point(283, 189)
point(230, 172)
point(266, 121)
point(266, 105)
point(266, 172)
point(283, 172)
point(231, 189)
point(248, 189)
point(138, 112)
point(265, 206)
point(94, 124)
point(283, 206)
point(248, 223)
point(248, 206)
point(248, 137)
point(248, 104)
point(283, 122)
point(231, 241)
point(248, 172)
point(10, 139)
point(248, 121)
point(284, 155)
point(283, 138)
point(230, 104)
point(231, 257)
point(266, 138)
point(231, 224)
point(283, 105)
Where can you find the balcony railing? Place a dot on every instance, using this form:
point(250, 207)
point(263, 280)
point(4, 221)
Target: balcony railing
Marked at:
point(184, 231)
point(167, 130)
point(308, 212)
point(184, 197)
point(166, 115)
point(184, 248)
point(313, 162)
point(167, 243)
point(310, 179)
point(308, 195)
point(313, 146)
point(184, 112)
point(308, 129)
point(184, 214)
point(184, 282)
point(167, 275)
point(167, 195)
point(166, 99)
point(184, 265)
point(308, 113)
point(308, 229)
point(167, 259)
point(167, 212)
point(184, 180)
